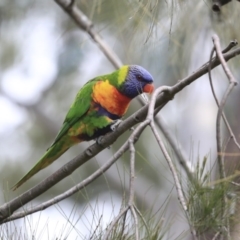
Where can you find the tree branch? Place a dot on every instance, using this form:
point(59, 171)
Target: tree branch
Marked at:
point(232, 136)
point(86, 25)
point(232, 84)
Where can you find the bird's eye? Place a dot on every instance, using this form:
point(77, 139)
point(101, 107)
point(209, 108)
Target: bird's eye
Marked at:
point(139, 78)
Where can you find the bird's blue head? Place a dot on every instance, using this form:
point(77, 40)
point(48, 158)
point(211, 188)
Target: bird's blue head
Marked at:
point(138, 81)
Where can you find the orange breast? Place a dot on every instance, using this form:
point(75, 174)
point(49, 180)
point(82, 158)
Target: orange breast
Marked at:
point(110, 98)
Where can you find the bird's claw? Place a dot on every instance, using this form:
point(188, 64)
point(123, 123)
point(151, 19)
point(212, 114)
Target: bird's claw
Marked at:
point(145, 98)
point(99, 140)
point(115, 124)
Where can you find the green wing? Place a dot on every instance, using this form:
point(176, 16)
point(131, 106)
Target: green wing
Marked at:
point(78, 109)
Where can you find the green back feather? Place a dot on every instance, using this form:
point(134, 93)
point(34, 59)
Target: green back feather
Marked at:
point(83, 99)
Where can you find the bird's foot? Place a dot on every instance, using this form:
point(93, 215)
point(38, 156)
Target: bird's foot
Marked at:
point(145, 98)
point(99, 142)
point(115, 124)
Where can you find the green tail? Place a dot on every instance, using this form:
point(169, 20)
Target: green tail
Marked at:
point(52, 154)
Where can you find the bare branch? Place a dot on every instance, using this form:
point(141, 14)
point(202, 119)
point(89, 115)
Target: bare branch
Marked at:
point(143, 219)
point(132, 171)
point(222, 60)
point(216, 236)
point(178, 150)
point(166, 155)
point(222, 172)
point(231, 44)
point(233, 83)
point(129, 144)
point(123, 212)
point(131, 186)
point(162, 147)
point(135, 221)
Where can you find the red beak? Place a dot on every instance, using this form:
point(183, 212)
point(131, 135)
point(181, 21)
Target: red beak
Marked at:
point(148, 88)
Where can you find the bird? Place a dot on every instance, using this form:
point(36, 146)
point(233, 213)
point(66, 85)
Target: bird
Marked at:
point(98, 107)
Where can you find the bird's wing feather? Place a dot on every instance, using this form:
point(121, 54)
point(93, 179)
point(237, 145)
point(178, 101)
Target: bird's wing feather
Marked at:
point(78, 109)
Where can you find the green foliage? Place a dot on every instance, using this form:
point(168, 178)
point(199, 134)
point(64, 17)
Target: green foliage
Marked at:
point(205, 201)
point(154, 230)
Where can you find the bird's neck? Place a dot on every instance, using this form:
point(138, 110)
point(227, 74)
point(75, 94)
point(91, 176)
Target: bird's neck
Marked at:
point(110, 98)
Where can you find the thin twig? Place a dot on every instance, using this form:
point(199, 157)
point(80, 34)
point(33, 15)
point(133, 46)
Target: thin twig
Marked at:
point(215, 237)
point(131, 186)
point(143, 219)
point(135, 221)
point(222, 171)
point(129, 144)
point(96, 228)
point(123, 224)
point(131, 139)
point(235, 184)
point(232, 43)
point(162, 147)
point(224, 65)
point(109, 230)
point(178, 150)
point(132, 171)
point(232, 84)
point(167, 156)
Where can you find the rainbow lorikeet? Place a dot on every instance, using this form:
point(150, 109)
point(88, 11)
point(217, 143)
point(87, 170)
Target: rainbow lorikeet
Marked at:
point(98, 105)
